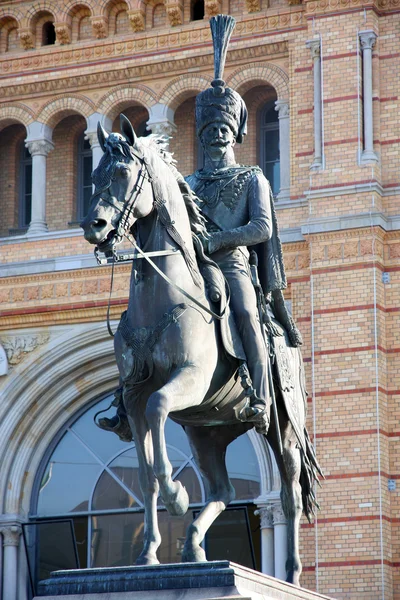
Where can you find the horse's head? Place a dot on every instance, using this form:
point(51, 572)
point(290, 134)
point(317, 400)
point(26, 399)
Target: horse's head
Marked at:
point(122, 191)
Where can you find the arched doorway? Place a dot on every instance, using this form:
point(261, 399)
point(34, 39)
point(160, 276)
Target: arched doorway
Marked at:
point(91, 477)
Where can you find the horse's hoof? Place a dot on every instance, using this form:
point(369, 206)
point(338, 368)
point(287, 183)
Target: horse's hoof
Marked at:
point(196, 554)
point(147, 559)
point(177, 503)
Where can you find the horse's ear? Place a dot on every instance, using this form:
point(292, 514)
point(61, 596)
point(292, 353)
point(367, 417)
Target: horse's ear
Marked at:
point(102, 136)
point(127, 130)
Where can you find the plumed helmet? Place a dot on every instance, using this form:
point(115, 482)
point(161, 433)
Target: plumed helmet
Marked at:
point(221, 103)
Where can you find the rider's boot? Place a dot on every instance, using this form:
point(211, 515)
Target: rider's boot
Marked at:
point(119, 422)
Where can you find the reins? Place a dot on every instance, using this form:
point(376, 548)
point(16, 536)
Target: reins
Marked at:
point(121, 232)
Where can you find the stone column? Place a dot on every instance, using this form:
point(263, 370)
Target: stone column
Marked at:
point(11, 534)
point(161, 120)
point(367, 42)
point(39, 150)
point(280, 541)
point(282, 106)
point(91, 135)
point(267, 539)
point(315, 47)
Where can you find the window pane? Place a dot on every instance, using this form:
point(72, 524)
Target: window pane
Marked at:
point(229, 538)
point(173, 535)
point(273, 174)
point(103, 443)
point(116, 539)
point(51, 546)
point(176, 436)
point(109, 494)
point(271, 115)
point(87, 171)
point(87, 194)
point(271, 145)
point(190, 481)
point(68, 480)
point(243, 470)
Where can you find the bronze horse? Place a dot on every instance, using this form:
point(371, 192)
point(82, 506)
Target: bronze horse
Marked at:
point(169, 351)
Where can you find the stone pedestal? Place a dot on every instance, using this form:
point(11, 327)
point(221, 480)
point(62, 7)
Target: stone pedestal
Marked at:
point(214, 580)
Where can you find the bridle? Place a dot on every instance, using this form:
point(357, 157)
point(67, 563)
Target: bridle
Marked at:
point(122, 231)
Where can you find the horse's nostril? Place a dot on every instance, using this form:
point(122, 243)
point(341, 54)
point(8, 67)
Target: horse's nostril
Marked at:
point(98, 224)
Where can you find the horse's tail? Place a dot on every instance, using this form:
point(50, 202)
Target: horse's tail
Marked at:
point(309, 476)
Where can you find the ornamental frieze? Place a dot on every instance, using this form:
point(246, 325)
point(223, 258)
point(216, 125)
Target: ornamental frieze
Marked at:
point(137, 72)
point(67, 55)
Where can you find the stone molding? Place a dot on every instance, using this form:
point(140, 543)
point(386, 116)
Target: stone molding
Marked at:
point(26, 39)
point(39, 147)
point(241, 78)
point(45, 390)
point(266, 518)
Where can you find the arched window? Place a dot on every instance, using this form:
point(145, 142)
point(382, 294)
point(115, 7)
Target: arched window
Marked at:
point(48, 34)
point(84, 180)
point(197, 10)
point(269, 145)
point(106, 504)
point(25, 188)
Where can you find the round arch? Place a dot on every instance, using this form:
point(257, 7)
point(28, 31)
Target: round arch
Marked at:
point(15, 113)
point(111, 102)
point(56, 381)
point(40, 7)
point(70, 6)
point(104, 6)
point(182, 88)
point(11, 13)
point(52, 112)
point(242, 80)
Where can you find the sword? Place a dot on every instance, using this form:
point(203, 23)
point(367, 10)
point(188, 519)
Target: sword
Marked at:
point(262, 308)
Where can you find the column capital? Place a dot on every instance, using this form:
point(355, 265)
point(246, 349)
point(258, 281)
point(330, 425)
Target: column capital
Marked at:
point(367, 39)
point(266, 518)
point(91, 136)
point(39, 147)
point(11, 534)
point(282, 107)
point(278, 514)
point(315, 47)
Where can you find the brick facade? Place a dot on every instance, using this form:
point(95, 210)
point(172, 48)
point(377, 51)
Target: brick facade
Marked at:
point(340, 228)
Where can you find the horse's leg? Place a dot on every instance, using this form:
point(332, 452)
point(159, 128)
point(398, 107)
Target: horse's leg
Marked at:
point(209, 449)
point(185, 388)
point(148, 484)
point(289, 465)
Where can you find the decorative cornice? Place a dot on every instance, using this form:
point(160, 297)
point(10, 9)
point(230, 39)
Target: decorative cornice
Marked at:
point(315, 47)
point(282, 106)
point(27, 40)
point(137, 72)
point(146, 42)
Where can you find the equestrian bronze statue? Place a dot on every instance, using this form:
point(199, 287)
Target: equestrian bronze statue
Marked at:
point(206, 338)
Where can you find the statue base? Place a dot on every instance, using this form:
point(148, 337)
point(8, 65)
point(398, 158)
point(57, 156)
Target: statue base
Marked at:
point(214, 580)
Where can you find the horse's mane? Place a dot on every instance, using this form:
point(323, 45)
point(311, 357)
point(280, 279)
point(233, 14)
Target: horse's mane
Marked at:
point(159, 144)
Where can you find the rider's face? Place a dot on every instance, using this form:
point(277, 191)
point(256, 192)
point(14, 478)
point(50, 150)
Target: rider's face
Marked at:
point(217, 138)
